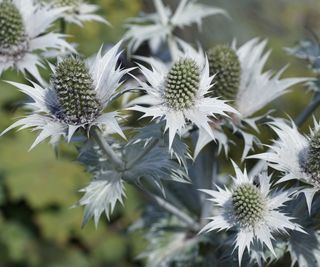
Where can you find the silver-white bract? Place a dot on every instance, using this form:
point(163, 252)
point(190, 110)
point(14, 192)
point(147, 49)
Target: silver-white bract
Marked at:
point(158, 27)
point(106, 75)
point(273, 220)
point(198, 113)
point(81, 12)
point(101, 195)
point(286, 154)
point(257, 89)
point(36, 19)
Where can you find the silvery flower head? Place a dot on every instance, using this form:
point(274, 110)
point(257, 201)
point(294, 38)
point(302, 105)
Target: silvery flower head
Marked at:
point(157, 27)
point(76, 97)
point(23, 26)
point(296, 156)
point(240, 77)
point(252, 209)
point(78, 11)
point(178, 92)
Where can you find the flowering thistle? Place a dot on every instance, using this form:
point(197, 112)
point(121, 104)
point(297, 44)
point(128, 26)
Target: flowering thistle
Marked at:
point(254, 210)
point(240, 78)
point(178, 93)
point(296, 155)
point(78, 11)
point(158, 27)
point(22, 34)
point(76, 97)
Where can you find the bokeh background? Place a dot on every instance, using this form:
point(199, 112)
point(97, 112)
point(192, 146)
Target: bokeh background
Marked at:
point(37, 226)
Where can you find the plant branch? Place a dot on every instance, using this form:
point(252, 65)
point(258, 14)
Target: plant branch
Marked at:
point(306, 113)
point(173, 210)
point(63, 26)
point(107, 149)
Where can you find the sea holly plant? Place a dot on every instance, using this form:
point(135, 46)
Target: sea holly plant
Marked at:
point(160, 125)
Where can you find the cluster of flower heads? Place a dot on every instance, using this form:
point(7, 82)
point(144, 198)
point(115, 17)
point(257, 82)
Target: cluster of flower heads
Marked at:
point(193, 99)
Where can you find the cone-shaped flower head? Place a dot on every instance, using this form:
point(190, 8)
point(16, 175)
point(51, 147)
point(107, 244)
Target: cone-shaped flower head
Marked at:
point(296, 156)
point(178, 93)
point(248, 204)
point(253, 209)
point(182, 83)
point(12, 31)
point(312, 164)
point(78, 93)
point(75, 91)
point(224, 63)
point(23, 26)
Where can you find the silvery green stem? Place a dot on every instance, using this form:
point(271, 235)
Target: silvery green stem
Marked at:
point(107, 149)
point(308, 110)
point(63, 26)
point(173, 210)
point(147, 149)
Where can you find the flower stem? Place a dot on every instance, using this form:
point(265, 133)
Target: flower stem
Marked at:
point(63, 26)
point(107, 149)
point(173, 210)
point(308, 110)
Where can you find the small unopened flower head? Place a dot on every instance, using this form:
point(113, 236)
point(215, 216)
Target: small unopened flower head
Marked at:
point(13, 40)
point(75, 91)
point(248, 204)
point(312, 163)
point(182, 84)
point(225, 64)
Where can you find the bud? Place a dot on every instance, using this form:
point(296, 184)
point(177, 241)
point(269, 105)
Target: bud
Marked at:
point(224, 63)
point(312, 164)
point(182, 84)
point(248, 204)
point(12, 32)
point(75, 91)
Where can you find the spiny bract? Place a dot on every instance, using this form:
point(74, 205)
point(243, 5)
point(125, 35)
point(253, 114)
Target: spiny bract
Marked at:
point(75, 91)
point(182, 84)
point(224, 63)
point(248, 204)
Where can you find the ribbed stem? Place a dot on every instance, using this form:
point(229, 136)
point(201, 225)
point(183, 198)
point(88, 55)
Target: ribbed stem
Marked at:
point(107, 149)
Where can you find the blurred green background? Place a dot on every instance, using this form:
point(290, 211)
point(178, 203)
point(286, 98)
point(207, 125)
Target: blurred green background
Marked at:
point(37, 226)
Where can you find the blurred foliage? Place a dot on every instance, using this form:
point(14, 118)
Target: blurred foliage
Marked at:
point(37, 226)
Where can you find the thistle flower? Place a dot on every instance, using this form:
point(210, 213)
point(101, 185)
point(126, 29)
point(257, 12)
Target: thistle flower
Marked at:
point(76, 97)
point(296, 155)
point(240, 78)
point(22, 33)
point(157, 27)
point(78, 11)
point(253, 210)
point(178, 92)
